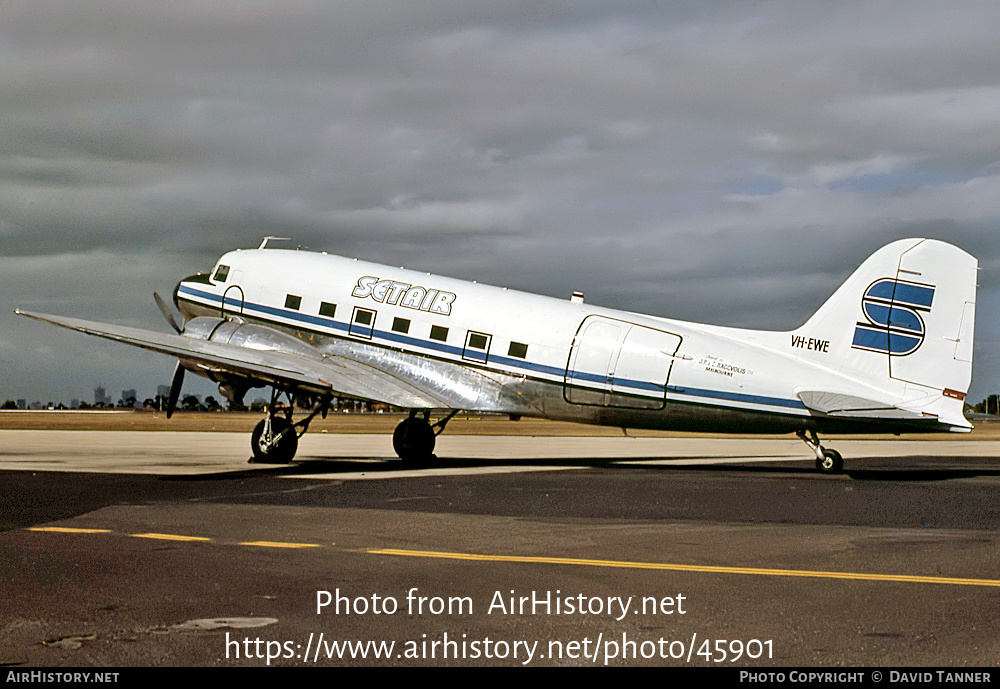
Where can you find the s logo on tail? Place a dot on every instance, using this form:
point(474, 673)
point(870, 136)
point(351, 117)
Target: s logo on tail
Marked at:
point(895, 326)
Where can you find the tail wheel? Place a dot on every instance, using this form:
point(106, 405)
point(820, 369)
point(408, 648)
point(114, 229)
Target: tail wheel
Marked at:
point(832, 462)
point(413, 440)
point(277, 447)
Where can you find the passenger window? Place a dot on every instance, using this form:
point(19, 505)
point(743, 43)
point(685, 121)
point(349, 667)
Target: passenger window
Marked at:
point(362, 324)
point(401, 325)
point(327, 309)
point(293, 302)
point(477, 346)
point(439, 333)
point(518, 349)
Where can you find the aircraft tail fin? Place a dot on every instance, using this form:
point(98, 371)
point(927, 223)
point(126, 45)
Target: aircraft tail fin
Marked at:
point(903, 324)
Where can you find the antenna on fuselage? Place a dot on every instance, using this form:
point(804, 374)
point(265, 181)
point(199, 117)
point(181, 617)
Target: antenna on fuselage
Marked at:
point(263, 244)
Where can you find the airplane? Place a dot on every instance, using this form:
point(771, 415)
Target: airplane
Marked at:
point(889, 351)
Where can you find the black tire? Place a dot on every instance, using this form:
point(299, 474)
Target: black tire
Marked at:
point(832, 462)
point(281, 452)
point(413, 440)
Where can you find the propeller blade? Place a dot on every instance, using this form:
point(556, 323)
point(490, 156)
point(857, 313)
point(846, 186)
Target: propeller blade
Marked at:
point(175, 389)
point(165, 310)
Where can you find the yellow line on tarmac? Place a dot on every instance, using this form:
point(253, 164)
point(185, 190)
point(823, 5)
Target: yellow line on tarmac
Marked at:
point(913, 579)
point(278, 544)
point(169, 537)
point(66, 529)
point(175, 537)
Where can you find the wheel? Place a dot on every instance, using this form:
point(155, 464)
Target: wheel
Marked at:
point(832, 462)
point(266, 450)
point(413, 440)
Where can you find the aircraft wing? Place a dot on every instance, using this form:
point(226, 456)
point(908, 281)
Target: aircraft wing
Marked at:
point(338, 370)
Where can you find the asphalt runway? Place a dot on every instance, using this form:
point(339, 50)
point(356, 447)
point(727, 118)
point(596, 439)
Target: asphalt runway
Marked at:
point(168, 549)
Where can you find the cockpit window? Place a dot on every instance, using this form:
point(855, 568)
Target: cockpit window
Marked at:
point(221, 273)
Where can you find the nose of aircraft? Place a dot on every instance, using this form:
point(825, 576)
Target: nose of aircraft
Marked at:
point(190, 286)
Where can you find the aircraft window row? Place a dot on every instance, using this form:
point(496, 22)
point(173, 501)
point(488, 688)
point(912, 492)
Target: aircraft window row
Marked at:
point(221, 273)
point(294, 302)
point(477, 345)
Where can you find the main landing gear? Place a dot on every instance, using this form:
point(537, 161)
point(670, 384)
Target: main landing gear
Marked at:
point(275, 439)
point(415, 436)
point(827, 461)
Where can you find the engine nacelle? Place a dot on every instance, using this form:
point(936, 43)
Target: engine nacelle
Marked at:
point(258, 337)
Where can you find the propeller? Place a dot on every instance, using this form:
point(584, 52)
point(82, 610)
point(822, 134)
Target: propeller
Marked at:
point(175, 388)
point(178, 380)
point(165, 310)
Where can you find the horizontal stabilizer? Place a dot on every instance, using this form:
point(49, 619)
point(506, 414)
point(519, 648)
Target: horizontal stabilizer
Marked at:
point(838, 404)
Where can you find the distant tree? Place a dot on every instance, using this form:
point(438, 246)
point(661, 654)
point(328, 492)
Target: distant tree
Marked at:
point(212, 404)
point(990, 405)
point(9, 404)
point(191, 403)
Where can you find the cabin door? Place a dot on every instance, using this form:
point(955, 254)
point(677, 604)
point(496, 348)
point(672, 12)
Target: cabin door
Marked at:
point(615, 363)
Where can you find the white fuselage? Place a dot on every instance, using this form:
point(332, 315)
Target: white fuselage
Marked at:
point(548, 357)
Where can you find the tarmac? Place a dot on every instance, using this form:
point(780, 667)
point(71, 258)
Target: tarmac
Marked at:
point(156, 548)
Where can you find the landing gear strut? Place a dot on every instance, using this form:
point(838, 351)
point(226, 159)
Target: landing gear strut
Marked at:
point(414, 437)
point(275, 438)
point(827, 461)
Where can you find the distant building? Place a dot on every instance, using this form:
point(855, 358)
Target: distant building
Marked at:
point(22, 404)
point(162, 395)
point(101, 396)
point(130, 394)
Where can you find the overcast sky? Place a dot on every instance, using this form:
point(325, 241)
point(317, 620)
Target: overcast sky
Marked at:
point(725, 162)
